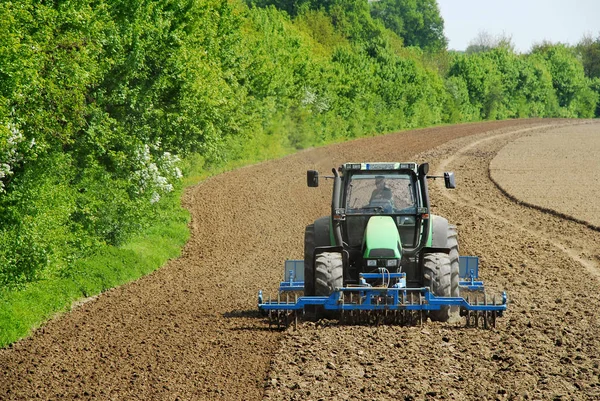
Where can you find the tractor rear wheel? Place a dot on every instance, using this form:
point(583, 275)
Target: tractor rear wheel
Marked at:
point(329, 273)
point(309, 250)
point(454, 269)
point(437, 274)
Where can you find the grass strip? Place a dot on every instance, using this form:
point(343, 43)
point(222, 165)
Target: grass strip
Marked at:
point(24, 309)
point(27, 308)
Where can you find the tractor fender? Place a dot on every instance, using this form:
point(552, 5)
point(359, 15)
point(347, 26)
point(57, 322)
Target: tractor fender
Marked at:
point(323, 231)
point(439, 232)
point(315, 236)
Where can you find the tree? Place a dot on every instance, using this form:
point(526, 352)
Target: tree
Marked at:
point(485, 41)
point(292, 7)
point(567, 73)
point(589, 51)
point(417, 22)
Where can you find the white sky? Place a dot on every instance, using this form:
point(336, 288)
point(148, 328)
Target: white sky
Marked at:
point(526, 21)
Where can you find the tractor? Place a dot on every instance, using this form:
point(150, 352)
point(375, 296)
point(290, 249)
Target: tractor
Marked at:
point(381, 256)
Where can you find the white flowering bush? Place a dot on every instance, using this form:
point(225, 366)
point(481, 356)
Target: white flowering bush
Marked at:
point(312, 99)
point(12, 149)
point(155, 175)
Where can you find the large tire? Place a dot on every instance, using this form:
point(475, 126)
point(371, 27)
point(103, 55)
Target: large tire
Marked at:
point(309, 271)
point(454, 269)
point(454, 255)
point(437, 275)
point(315, 235)
point(329, 273)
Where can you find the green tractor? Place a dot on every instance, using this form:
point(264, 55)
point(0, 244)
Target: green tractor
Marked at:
point(380, 220)
point(382, 257)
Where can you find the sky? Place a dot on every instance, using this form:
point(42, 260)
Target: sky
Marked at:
point(527, 22)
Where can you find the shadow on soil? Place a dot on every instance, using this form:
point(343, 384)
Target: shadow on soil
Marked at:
point(250, 313)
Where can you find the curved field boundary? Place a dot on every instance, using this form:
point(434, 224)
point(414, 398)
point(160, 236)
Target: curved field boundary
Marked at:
point(535, 147)
point(499, 142)
point(541, 208)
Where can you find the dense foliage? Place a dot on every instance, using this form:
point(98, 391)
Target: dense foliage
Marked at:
point(417, 22)
point(100, 99)
point(588, 50)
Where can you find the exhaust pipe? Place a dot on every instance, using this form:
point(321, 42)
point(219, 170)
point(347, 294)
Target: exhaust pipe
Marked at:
point(335, 204)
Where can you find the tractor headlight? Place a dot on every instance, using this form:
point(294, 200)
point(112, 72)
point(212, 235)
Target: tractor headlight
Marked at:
point(392, 263)
point(372, 262)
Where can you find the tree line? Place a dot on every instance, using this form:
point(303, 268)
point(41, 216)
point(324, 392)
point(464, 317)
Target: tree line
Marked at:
point(102, 102)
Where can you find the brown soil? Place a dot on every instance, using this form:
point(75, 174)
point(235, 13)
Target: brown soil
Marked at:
point(190, 330)
point(557, 170)
point(545, 347)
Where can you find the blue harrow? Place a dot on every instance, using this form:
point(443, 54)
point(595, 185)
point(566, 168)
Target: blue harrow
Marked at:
point(383, 298)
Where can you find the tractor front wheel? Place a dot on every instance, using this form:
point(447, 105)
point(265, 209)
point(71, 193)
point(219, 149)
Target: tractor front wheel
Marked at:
point(329, 273)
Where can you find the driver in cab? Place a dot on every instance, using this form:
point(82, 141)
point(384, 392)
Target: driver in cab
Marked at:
point(381, 193)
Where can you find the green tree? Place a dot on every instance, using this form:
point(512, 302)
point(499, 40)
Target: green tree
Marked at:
point(568, 79)
point(417, 22)
point(595, 86)
point(589, 51)
point(535, 85)
point(292, 7)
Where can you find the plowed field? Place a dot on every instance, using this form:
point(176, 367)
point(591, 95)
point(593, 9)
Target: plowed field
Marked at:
point(566, 166)
point(190, 330)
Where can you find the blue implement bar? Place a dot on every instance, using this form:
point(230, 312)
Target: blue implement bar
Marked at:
point(380, 298)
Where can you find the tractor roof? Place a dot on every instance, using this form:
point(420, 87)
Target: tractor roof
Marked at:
point(380, 166)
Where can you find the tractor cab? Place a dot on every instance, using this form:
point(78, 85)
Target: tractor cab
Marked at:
point(380, 218)
point(380, 208)
point(394, 194)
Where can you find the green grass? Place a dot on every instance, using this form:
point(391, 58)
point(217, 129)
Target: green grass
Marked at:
point(26, 308)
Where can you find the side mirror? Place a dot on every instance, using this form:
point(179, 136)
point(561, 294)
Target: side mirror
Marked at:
point(449, 180)
point(312, 178)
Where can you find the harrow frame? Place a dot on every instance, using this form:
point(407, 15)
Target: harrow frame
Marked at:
point(366, 303)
